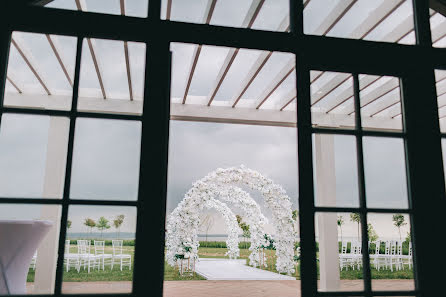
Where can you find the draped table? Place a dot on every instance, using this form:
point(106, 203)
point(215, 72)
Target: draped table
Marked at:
point(19, 240)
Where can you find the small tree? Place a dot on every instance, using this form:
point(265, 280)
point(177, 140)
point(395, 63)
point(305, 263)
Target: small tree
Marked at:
point(399, 221)
point(373, 236)
point(90, 223)
point(408, 237)
point(340, 223)
point(68, 224)
point(206, 224)
point(244, 227)
point(117, 222)
point(356, 217)
point(102, 224)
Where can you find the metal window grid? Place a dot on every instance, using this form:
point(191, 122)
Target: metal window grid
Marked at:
point(421, 133)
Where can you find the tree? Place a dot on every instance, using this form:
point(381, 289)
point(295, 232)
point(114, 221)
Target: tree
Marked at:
point(373, 236)
point(102, 224)
point(399, 221)
point(340, 223)
point(408, 237)
point(356, 217)
point(68, 224)
point(244, 227)
point(90, 223)
point(206, 224)
point(117, 222)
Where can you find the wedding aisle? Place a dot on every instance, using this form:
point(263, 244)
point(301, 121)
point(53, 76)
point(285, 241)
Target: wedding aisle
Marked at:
point(224, 269)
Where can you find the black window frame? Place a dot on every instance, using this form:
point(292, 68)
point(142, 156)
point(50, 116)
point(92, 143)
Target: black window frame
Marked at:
point(415, 64)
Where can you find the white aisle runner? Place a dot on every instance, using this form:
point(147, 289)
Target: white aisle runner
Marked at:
point(225, 269)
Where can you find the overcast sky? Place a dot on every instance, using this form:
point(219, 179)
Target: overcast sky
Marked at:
point(106, 153)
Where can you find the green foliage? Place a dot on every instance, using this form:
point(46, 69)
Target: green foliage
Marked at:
point(222, 244)
point(68, 224)
point(408, 237)
point(399, 221)
point(102, 224)
point(90, 223)
point(373, 236)
point(117, 222)
point(340, 221)
point(295, 214)
point(243, 226)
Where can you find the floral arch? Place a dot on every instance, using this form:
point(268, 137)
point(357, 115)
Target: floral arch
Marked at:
point(221, 183)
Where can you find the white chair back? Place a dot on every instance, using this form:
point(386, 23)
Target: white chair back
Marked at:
point(83, 247)
point(99, 247)
point(344, 247)
point(377, 247)
point(117, 247)
point(67, 246)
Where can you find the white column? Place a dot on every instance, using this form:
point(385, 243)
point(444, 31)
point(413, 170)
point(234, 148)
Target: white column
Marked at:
point(327, 222)
point(53, 188)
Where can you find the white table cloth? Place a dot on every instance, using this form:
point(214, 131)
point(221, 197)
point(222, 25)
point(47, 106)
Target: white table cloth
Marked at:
point(19, 240)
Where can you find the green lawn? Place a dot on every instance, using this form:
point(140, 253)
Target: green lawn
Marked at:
point(171, 274)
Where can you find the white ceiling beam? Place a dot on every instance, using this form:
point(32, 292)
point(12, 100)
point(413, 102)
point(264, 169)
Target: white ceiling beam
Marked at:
point(27, 56)
point(52, 40)
point(280, 77)
point(287, 99)
point(336, 14)
point(347, 94)
point(81, 5)
point(210, 7)
point(257, 66)
point(126, 53)
point(250, 17)
point(14, 85)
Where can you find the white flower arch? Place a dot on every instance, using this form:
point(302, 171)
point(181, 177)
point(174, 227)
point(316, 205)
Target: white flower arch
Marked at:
point(184, 220)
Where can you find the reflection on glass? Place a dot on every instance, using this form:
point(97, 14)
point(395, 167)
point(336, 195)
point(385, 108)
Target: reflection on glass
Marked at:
point(338, 237)
point(440, 78)
point(99, 250)
point(385, 172)
point(106, 159)
point(390, 249)
point(335, 170)
point(28, 248)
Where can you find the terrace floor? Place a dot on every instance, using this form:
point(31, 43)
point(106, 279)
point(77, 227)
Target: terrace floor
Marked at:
point(206, 288)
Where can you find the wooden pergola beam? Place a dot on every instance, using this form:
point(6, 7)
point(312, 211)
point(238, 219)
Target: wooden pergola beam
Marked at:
point(126, 53)
point(196, 55)
point(29, 60)
point(14, 85)
point(52, 40)
point(250, 17)
point(81, 5)
point(257, 66)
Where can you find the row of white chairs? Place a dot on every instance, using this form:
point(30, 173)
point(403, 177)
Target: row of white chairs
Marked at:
point(96, 258)
point(392, 257)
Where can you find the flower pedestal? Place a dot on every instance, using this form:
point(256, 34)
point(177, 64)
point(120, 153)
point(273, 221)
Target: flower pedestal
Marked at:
point(186, 265)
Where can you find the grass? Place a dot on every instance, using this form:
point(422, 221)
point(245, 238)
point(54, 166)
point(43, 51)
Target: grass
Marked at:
point(172, 274)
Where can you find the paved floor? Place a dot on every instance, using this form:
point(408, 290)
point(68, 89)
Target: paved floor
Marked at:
point(206, 288)
point(224, 269)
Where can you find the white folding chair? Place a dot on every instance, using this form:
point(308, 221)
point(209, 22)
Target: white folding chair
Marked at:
point(33, 261)
point(99, 251)
point(70, 258)
point(343, 256)
point(86, 259)
point(118, 257)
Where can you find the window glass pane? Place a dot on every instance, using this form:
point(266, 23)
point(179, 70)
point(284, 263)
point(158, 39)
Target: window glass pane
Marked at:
point(390, 249)
point(332, 99)
point(438, 28)
point(440, 77)
point(339, 251)
point(385, 172)
point(112, 76)
point(270, 15)
point(106, 159)
point(134, 8)
point(335, 170)
point(380, 98)
point(40, 71)
point(381, 20)
point(99, 250)
point(28, 248)
point(32, 156)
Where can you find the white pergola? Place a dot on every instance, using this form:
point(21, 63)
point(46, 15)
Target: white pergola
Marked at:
point(332, 103)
